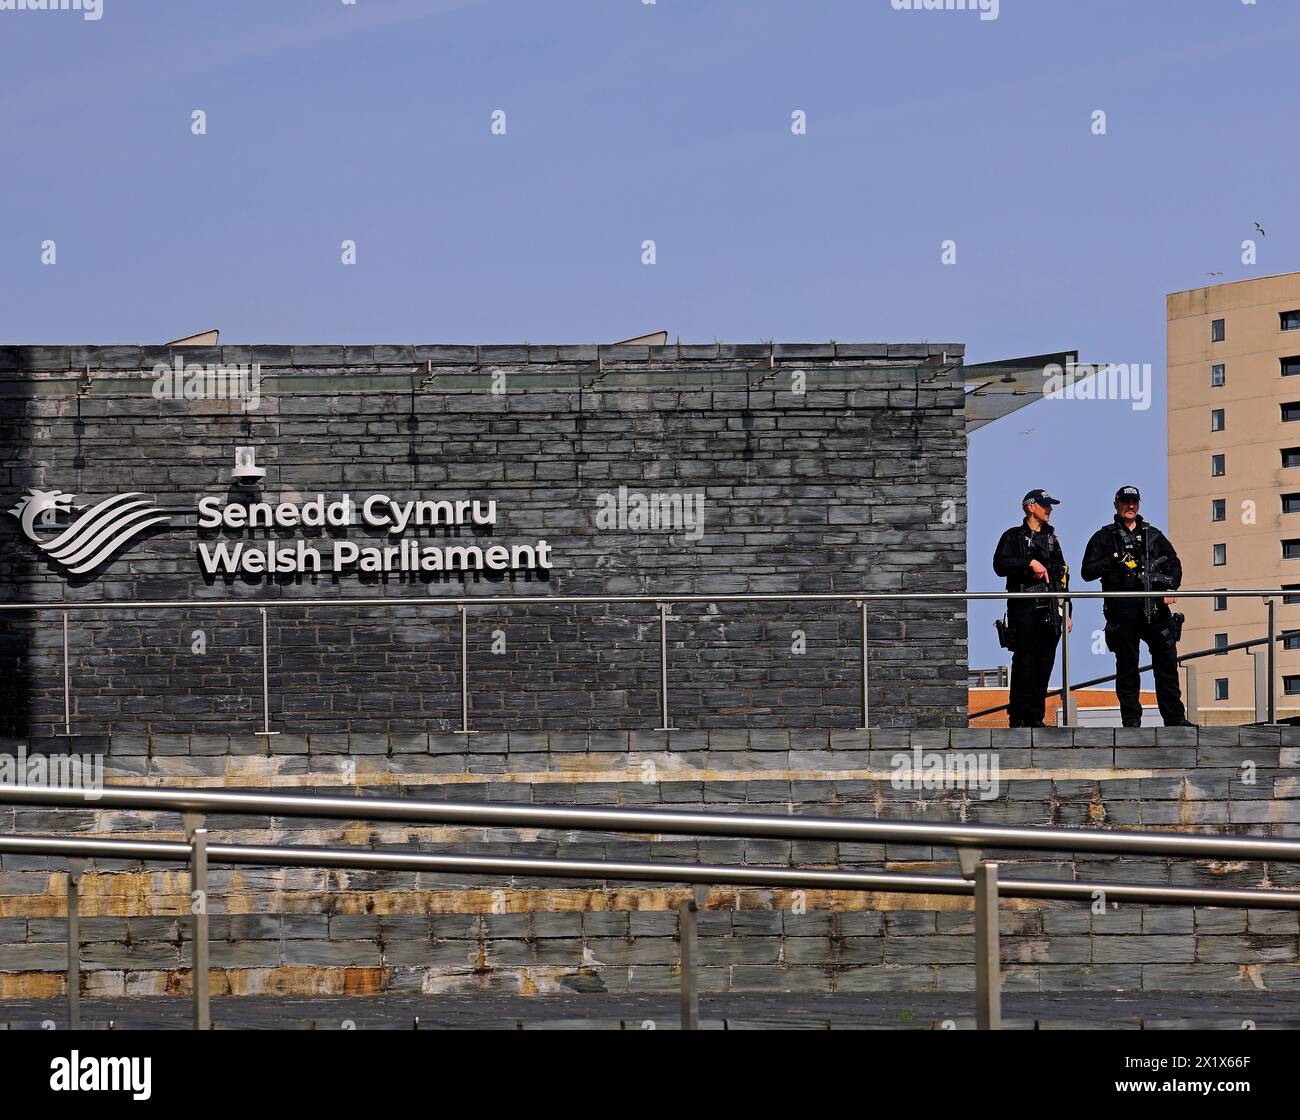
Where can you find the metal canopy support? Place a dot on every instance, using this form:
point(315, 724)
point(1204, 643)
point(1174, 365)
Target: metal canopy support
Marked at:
point(988, 972)
point(197, 836)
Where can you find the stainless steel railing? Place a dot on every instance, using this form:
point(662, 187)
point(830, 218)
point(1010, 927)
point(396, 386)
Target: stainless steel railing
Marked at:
point(663, 603)
point(980, 878)
point(1261, 699)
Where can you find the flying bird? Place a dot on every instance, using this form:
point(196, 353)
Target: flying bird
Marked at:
point(1214, 274)
point(1261, 230)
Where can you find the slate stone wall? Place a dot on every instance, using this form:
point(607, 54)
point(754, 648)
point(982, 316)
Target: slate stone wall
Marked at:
point(821, 468)
point(308, 931)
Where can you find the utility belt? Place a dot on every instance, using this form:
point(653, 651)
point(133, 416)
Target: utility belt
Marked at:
point(1168, 625)
point(1048, 611)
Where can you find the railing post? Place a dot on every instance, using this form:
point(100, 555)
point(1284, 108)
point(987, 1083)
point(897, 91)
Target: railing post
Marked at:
point(988, 974)
point(1068, 714)
point(688, 933)
point(464, 672)
point(663, 667)
point(1272, 661)
point(1260, 657)
point(67, 682)
point(866, 702)
point(1191, 694)
point(266, 689)
point(197, 836)
point(76, 868)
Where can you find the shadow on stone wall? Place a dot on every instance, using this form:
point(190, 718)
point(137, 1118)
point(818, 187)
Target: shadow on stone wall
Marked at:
point(16, 564)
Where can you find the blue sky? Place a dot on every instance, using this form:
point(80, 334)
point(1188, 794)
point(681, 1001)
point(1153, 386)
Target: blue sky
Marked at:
point(670, 121)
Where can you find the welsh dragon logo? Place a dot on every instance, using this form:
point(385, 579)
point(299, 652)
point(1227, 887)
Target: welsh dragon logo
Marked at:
point(95, 534)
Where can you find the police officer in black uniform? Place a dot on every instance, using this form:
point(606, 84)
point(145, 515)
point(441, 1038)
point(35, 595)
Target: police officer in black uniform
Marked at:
point(1130, 554)
point(1029, 557)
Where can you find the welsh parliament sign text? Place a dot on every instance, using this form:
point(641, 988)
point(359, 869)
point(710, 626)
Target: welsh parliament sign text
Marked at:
point(97, 533)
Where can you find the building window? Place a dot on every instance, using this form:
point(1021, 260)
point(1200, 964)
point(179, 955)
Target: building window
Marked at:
point(1291, 503)
point(1217, 377)
point(1218, 467)
point(1217, 333)
point(1220, 688)
point(1221, 644)
point(1219, 508)
point(1220, 602)
point(1290, 320)
point(1291, 456)
point(1291, 549)
point(1290, 366)
point(1216, 420)
point(1221, 554)
point(1291, 686)
point(1291, 639)
point(1290, 600)
point(1290, 412)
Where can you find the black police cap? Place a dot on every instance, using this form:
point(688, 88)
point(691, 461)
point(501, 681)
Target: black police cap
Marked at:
point(1039, 497)
point(1128, 494)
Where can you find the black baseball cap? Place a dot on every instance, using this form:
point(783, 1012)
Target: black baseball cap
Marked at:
point(1040, 498)
point(1128, 494)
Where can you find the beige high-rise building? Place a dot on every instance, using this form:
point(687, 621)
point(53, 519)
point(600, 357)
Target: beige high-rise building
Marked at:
point(1234, 479)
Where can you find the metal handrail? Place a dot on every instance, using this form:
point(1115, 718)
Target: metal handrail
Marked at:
point(597, 600)
point(861, 599)
point(984, 885)
point(1212, 651)
point(175, 851)
point(969, 841)
point(651, 821)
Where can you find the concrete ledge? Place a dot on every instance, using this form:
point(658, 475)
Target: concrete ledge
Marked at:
point(1162, 747)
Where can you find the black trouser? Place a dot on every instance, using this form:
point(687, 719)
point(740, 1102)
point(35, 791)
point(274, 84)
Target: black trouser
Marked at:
point(1126, 626)
point(1031, 660)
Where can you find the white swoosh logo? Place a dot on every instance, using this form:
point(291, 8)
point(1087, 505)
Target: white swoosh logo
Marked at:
point(101, 530)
